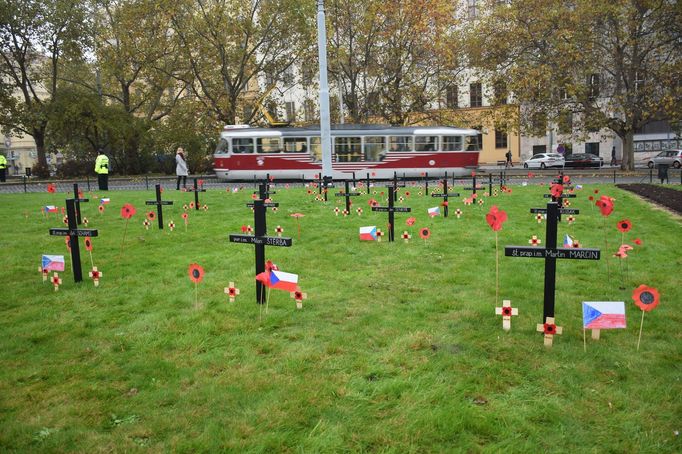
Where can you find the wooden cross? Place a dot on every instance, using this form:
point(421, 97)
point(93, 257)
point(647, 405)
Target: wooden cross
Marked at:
point(347, 194)
point(391, 210)
point(232, 292)
point(78, 200)
point(95, 274)
point(56, 281)
point(260, 240)
point(445, 196)
point(196, 190)
point(549, 329)
point(159, 204)
point(73, 232)
point(551, 253)
point(506, 311)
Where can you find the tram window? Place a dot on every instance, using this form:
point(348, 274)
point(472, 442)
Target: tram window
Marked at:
point(375, 148)
point(223, 147)
point(426, 143)
point(472, 143)
point(316, 149)
point(295, 145)
point(452, 143)
point(243, 145)
point(268, 145)
point(400, 143)
point(347, 149)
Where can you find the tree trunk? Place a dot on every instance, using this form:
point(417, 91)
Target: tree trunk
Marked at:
point(41, 170)
point(628, 162)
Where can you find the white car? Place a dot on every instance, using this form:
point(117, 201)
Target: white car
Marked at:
point(669, 157)
point(544, 160)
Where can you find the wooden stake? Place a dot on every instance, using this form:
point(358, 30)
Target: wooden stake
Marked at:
point(595, 334)
point(641, 324)
point(584, 341)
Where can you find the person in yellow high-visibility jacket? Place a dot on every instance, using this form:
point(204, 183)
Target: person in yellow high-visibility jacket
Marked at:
point(3, 168)
point(102, 170)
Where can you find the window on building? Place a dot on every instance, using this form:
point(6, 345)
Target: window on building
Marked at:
point(309, 110)
point(290, 107)
point(501, 140)
point(451, 97)
point(565, 122)
point(593, 85)
point(475, 95)
point(500, 88)
point(592, 148)
point(472, 8)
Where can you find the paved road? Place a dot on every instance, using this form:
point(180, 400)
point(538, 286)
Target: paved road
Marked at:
point(513, 176)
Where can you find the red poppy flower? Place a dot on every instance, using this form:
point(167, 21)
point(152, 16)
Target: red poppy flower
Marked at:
point(549, 328)
point(191, 205)
point(596, 191)
point(531, 174)
point(638, 242)
point(297, 215)
point(51, 188)
point(201, 182)
point(590, 198)
point(372, 203)
point(269, 266)
point(473, 173)
point(254, 196)
point(185, 216)
point(67, 240)
point(646, 298)
point(495, 218)
point(624, 225)
point(506, 311)
point(424, 233)
point(128, 211)
point(243, 229)
point(445, 203)
point(196, 273)
point(309, 192)
point(410, 221)
point(101, 208)
point(407, 193)
point(605, 205)
point(151, 215)
point(566, 179)
point(556, 190)
point(88, 243)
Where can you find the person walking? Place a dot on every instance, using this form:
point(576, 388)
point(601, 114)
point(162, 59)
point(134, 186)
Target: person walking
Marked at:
point(181, 168)
point(102, 171)
point(509, 159)
point(3, 168)
point(613, 156)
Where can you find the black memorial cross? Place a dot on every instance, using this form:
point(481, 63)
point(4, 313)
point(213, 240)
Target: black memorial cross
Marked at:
point(159, 204)
point(196, 190)
point(395, 186)
point(551, 253)
point(445, 196)
point(77, 199)
point(473, 185)
point(260, 240)
point(73, 232)
point(264, 193)
point(347, 194)
point(391, 211)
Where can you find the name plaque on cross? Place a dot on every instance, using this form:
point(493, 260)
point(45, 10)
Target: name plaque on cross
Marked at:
point(265, 204)
point(557, 253)
point(562, 196)
point(561, 210)
point(74, 232)
point(266, 240)
point(392, 209)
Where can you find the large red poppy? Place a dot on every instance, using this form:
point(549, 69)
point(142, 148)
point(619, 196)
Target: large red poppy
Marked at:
point(424, 233)
point(196, 273)
point(101, 208)
point(88, 243)
point(605, 205)
point(624, 225)
point(410, 221)
point(151, 215)
point(556, 190)
point(646, 298)
point(51, 188)
point(495, 218)
point(128, 211)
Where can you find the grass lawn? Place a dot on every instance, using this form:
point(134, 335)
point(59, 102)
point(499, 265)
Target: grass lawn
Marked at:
point(396, 349)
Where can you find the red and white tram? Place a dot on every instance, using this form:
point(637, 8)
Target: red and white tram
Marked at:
point(246, 152)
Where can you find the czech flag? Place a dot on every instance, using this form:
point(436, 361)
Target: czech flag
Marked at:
point(368, 233)
point(435, 211)
point(104, 201)
point(279, 280)
point(53, 262)
point(568, 241)
point(51, 209)
point(604, 315)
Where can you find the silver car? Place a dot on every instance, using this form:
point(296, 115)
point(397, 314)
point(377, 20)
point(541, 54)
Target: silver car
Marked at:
point(544, 160)
point(669, 157)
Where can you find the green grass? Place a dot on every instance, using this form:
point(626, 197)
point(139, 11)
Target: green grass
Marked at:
point(397, 348)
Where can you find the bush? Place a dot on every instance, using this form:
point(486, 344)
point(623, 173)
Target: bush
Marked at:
point(40, 171)
point(75, 168)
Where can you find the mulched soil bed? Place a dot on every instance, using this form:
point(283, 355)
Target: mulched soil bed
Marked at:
point(669, 198)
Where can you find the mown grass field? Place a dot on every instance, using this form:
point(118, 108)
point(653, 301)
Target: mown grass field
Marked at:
point(397, 348)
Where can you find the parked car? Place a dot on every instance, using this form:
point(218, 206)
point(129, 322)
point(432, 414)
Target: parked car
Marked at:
point(544, 160)
point(583, 160)
point(669, 157)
